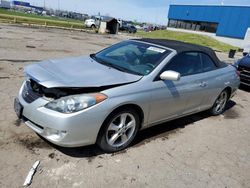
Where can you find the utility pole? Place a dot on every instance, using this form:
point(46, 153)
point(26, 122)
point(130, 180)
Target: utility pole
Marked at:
point(58, 4)
point(44, 4)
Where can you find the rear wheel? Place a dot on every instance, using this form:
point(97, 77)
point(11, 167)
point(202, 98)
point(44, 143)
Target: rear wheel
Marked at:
point(119, 131)
point(220, 103)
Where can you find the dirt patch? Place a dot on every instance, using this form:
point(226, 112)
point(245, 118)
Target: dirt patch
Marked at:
point(18, 122)
point(1, 143)
point(29, 46)
point(90, 159)
point(27, 38)
point(51, 155)
point(33, 144)
point(240, 105)
point(99, 166)
point(147, 136)
point(4, 77)
point(20, 60)
point(119, 152)
point(97, 44)
point(76, 38)
point(54, 50)
point(10, 32)
point(231, 114)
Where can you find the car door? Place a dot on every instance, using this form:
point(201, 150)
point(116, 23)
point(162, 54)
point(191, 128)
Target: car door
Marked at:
point(212, 78)
point(175, 98)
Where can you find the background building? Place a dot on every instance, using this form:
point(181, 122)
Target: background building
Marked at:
point(21, 5)
point(5, 4)
point(227, 21)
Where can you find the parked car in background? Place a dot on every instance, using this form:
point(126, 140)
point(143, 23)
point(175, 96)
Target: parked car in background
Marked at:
point(90, 23)
point(138, 27)
point(94, 21)
point(243, 66)
point(148, 28)
point(120, 22)
point(107, 97)
point(129, 28)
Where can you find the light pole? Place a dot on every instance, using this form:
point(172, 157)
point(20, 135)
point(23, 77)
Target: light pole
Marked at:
point(58, 4)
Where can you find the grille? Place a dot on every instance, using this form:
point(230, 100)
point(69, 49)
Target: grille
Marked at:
point(244, 74)
point(28, 94)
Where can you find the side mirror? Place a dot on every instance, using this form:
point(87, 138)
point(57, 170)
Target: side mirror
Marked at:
point(170, 75)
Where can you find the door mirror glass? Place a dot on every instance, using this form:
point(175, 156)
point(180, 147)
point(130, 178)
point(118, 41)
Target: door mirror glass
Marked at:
point(170, 75)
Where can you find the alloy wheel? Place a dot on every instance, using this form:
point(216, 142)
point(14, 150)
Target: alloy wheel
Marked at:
point(221, 102)
point(120, 130)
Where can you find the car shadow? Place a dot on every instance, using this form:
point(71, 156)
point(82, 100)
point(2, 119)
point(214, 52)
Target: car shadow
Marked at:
point(162, 131)
point(230, 104)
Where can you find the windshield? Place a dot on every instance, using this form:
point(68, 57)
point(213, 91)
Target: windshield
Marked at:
point(132, 57)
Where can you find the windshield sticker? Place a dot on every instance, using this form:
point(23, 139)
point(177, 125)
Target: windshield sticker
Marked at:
point(155, 49)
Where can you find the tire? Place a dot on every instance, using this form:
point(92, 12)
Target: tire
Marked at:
point(220, 103)
point(93, 27)
point(122, 126)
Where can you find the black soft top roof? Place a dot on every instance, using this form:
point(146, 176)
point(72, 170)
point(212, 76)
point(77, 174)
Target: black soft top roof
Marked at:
point(184, 47)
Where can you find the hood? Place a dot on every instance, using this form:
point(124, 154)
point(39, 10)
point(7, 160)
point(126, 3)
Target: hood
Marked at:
point(245, 61)
point(77, 72)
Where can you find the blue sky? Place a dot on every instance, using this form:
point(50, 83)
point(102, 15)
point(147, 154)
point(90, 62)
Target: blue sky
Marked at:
point(154, 11)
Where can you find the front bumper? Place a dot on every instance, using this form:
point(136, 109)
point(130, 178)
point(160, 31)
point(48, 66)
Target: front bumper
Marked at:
point(68, 130)
point(244, 75)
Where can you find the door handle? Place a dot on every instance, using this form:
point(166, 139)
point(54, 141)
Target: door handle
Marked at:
point(203, 84)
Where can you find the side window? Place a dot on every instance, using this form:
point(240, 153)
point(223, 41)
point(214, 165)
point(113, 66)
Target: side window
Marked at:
point(185, 63)
point(208, 63)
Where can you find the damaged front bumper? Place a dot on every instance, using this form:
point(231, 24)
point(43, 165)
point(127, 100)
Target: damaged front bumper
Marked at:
point(68, 130)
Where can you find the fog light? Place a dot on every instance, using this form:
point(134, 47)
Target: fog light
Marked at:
point(54, 134)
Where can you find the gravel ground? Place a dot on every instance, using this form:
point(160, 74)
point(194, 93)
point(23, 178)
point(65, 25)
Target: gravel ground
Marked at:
point(196, 151)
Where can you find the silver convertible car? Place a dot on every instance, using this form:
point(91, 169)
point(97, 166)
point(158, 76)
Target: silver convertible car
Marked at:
point(107, 97)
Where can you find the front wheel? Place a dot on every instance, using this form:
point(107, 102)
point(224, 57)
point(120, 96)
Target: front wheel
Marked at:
point(119, 131)
point(220, 103)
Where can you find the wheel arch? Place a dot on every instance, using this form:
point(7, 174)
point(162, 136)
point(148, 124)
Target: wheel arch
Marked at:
point(229, 91)
point(212, 111)
point(135, 107)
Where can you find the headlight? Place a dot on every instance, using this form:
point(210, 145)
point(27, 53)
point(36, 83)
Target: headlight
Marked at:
point(75, 103)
